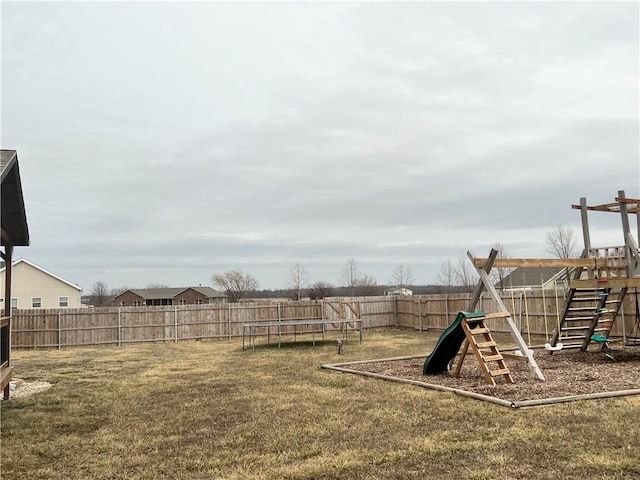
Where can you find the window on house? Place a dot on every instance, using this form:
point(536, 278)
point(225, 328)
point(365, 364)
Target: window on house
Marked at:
point(198, 301)
point(182, 301)
point(63, 301)
point(121, 304)
point(136, 303)
point(14, 303)
point(36, 302)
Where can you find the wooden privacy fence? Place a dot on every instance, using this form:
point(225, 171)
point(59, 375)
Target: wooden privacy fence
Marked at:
point(58, 328)
point(534, 312)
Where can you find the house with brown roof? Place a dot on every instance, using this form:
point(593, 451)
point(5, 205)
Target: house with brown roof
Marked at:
point(137, 297)
point(15, 233)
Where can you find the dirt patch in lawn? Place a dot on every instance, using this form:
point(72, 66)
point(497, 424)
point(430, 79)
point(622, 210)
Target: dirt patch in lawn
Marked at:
point(567, 373)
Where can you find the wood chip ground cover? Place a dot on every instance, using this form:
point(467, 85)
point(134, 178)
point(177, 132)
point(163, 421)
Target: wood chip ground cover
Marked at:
point(567, 373)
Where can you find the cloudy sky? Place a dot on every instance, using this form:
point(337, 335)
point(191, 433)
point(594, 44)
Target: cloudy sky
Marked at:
point(164, 142)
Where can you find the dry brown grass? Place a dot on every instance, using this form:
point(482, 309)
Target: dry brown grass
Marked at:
point(197, 410)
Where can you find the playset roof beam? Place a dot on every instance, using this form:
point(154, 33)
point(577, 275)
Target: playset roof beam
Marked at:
point(633, 206)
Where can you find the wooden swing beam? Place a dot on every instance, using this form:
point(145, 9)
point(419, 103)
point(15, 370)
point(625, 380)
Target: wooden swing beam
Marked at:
point(543, 262)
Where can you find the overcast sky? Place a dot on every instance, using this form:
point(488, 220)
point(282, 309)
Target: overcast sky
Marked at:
point(164, 142)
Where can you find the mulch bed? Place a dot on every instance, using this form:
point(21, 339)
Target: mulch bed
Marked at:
point(567, 373)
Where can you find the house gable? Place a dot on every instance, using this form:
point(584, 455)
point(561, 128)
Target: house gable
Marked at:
point(35, 287)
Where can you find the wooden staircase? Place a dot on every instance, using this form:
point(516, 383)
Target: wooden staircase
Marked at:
point(593, 300)
point(587, 312)
point(484, 348)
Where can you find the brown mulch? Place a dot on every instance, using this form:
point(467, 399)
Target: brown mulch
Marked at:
point(567, 373)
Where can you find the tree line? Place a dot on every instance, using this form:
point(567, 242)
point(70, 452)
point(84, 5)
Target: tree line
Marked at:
point(458, 276)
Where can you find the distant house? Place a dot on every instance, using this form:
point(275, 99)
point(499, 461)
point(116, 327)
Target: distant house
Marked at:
point(532, 278)
point(14, 233)
point(137, 297)
point(398, 291)
point(35, 287)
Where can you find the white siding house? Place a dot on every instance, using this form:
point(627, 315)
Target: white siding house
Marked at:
point(34, 287)
point(398, 291)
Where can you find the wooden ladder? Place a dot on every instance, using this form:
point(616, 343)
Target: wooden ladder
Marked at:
point(588, 311)
point(484, 348)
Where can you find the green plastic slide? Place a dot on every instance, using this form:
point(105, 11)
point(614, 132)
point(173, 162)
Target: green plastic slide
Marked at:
point(448, 344)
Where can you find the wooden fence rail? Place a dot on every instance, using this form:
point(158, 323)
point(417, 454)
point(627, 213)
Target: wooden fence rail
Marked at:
point(535, 313)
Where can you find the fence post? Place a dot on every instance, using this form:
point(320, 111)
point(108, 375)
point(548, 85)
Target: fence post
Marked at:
point(229, 320)
point(395, 310)
point(59, 339)
point(119, 329)
point(520, 312)
point(446, 308)
point(175, 324)
point(624, 327)
point(420, 311)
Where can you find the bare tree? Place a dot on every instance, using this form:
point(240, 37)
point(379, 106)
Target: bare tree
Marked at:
point(464, 272)
point(447, 274)
point(235, 283)
point(402, 276)
point(561, 242)
point(350, 275)
point(299, 279)
point(366, 285)
point(157, 285)
point(320, 290)
point(117, 291)
point(498, 274)
point(357, 282)
point(100, 294)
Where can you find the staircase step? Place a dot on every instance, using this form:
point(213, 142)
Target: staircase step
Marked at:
point(571, 337)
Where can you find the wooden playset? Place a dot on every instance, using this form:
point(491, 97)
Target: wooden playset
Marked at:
point(599, 281)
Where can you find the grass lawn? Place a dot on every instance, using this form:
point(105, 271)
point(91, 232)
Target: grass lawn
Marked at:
point(199, 410)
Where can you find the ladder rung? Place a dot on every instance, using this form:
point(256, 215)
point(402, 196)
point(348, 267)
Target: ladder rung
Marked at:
point(479, 331)
point(493, 358)
point(502, 371)
point(581, 327)
point(486, 344)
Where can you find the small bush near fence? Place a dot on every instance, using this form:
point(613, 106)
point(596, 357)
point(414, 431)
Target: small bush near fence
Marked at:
point(534, 312)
